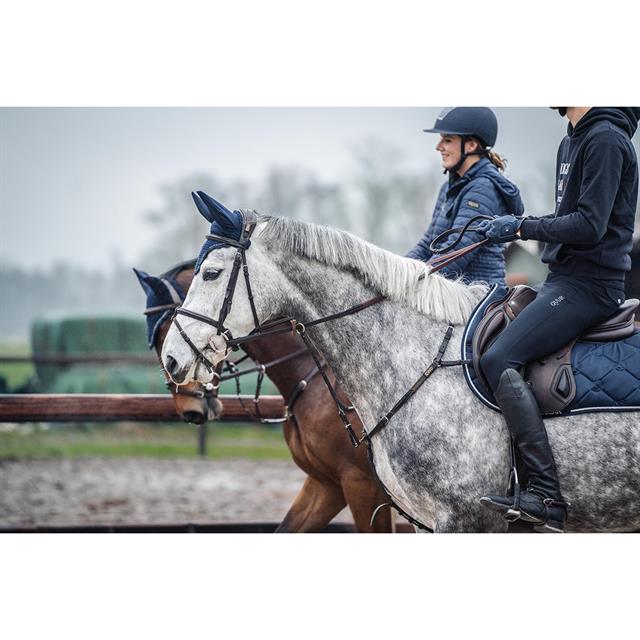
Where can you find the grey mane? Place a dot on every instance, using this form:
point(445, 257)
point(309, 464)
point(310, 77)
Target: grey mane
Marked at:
point(395, 277)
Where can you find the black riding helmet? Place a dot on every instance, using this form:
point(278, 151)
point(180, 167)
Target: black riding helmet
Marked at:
point(467, 122)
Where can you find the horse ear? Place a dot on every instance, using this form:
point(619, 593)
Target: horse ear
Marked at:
point(217, 210)
point(202, 207)
point(142, 276)
point(150, 284)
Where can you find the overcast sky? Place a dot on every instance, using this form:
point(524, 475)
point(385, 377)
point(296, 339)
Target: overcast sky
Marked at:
point(75, 181)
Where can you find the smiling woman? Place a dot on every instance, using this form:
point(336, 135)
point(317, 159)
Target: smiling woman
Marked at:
point(475, 186)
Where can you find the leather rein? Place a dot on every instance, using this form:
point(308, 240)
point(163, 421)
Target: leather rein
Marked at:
point(292, 325)
point(444, 256)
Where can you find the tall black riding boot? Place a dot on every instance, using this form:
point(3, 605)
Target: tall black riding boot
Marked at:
point(542, 503)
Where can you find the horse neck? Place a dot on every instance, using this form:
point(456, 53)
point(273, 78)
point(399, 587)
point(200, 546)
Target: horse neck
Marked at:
point(377, 351)
point(288, 374)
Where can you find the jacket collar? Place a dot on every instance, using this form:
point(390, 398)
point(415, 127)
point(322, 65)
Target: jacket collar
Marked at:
point(477, 169)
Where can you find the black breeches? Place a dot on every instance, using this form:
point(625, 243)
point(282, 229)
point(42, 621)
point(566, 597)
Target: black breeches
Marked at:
point(565, 307)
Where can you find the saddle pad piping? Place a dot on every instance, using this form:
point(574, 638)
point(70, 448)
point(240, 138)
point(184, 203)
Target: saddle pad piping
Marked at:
point(479, 310)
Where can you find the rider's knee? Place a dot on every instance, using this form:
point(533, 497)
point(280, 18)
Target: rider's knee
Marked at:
point(493, 364)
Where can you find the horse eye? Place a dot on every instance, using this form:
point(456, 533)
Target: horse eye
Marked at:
point(211, 274)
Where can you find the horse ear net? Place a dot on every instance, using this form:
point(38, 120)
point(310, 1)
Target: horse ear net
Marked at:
point(202, 207)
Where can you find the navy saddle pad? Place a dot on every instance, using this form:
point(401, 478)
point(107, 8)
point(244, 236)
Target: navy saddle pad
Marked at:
point(607, 374)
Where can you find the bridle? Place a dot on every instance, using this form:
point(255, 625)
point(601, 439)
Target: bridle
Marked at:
point(232, 371)
point(207, 390)
point(249, 221)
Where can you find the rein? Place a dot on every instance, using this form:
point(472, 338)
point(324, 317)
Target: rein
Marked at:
point(235, 374)
point(444, 255)
point(292, 325)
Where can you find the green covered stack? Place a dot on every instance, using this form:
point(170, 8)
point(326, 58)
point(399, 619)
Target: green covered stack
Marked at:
point(81, 336)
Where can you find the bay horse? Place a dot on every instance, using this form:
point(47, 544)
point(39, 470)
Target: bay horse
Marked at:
point(337, 474)
point(443, 449)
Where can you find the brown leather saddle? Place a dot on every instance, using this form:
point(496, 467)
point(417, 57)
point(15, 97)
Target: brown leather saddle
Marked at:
point(551, 379)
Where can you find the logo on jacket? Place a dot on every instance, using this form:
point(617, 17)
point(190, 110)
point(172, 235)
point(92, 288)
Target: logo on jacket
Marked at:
point(473, 204)
point(556, 301)
point(564, 170)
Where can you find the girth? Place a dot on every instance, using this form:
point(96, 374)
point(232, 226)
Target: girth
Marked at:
point(551, 378)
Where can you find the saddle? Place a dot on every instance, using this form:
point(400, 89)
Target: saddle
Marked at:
point(551, 379)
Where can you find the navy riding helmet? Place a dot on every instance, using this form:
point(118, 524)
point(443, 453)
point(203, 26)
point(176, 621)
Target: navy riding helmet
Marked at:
point(479, 122)
point(467, 122)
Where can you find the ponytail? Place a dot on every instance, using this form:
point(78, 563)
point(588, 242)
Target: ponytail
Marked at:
point(497, 160)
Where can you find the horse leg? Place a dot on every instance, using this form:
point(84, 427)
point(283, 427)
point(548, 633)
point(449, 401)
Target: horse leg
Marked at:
point(313, 508)
point(363, 497)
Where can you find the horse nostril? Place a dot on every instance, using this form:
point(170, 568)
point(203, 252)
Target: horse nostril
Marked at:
point(194, 417)
point(173, 369)
point(170, 365)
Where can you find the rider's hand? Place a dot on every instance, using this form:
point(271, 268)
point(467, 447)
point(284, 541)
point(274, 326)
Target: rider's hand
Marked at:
point(502, 229)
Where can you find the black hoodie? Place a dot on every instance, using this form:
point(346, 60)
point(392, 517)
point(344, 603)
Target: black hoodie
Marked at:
point(591, 232)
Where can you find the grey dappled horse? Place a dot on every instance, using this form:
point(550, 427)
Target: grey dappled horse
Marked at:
point(444, 449)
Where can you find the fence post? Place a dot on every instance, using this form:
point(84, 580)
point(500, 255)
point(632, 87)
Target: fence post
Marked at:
point(202, 439)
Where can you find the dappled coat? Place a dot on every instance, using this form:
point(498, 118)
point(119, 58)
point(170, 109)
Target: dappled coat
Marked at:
point(481, 190)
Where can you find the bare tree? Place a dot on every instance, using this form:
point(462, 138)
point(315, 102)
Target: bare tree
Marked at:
point(178, 231)
point(394, 203)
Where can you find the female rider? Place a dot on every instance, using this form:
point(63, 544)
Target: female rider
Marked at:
point(588, 239)
point(475, 186)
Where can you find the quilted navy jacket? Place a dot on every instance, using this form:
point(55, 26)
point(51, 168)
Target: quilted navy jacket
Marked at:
point(481, 190)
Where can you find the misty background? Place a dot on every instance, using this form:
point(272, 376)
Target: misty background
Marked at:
point(88, 193)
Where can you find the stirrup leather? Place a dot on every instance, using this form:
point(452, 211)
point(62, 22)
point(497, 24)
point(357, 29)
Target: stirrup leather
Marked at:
point(513, 487)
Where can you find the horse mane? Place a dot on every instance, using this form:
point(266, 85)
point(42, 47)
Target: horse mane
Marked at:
point(395, 277)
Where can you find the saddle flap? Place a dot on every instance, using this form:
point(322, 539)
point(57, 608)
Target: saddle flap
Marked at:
point(552, 380)
point(496, 318)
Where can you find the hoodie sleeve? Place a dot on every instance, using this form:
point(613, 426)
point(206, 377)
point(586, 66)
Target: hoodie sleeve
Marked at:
point(587, 225)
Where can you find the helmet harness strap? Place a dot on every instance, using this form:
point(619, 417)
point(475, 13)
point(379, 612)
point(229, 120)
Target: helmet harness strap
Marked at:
point(482, 151)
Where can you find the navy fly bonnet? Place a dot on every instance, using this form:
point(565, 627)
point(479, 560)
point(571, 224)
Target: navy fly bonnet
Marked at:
point(224, 223)
point(161, 290)
point(164, 289)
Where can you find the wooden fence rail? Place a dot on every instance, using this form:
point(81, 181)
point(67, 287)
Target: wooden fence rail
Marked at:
point(81, 407)
point(83, 358)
